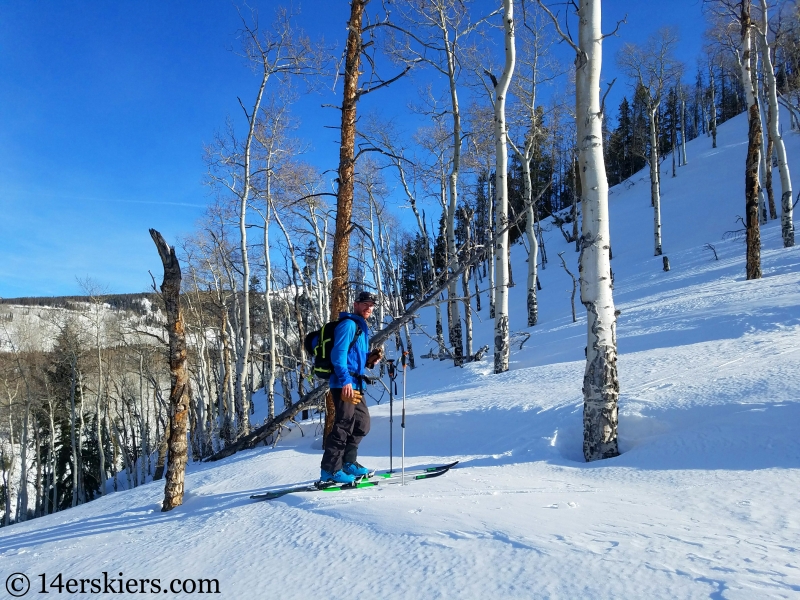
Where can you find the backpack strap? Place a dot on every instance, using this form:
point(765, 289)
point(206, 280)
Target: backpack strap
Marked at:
point(358, 332)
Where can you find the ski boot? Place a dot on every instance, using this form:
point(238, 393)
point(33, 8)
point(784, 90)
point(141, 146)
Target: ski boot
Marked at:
point(338, 477)
point(356, 470)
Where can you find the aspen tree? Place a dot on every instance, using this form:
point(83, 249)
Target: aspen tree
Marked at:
point(501, 327)
point(437, 30)
point(754, 141)
point(534, 68)
point(735, 28)
point(775, 137)
point(652, 68)
point(600, 382)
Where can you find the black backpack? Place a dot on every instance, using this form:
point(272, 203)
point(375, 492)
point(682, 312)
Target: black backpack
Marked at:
point(319, 345)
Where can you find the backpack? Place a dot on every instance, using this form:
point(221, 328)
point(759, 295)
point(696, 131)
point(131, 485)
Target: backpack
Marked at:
point(319, 345)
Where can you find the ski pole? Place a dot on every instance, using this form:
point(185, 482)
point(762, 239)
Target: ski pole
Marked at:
point(403, 424)
point(392, 375)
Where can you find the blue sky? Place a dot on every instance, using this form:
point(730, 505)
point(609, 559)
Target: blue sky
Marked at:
point(105, 107)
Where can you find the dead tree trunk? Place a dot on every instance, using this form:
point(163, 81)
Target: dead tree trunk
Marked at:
point(180, 389)
point(347, 162)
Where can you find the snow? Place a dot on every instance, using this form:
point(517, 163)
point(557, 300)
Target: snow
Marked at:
point(701, 503)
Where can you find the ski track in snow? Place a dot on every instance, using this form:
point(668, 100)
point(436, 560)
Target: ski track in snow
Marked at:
point(701, 504)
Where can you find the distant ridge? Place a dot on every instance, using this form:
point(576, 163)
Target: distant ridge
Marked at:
point(116, 301)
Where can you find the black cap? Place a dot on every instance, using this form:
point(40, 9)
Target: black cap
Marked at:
point(367, 297)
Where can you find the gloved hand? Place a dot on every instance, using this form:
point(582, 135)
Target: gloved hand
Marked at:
point(374, 357)
point(355, 398)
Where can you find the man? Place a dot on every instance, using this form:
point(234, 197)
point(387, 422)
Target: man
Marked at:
point(349, 357)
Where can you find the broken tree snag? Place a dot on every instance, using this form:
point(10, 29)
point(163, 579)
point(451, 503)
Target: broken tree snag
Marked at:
point(666, 263)
point(180, 391)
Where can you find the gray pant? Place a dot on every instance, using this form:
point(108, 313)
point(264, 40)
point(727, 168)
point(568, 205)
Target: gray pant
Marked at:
point(350, 425)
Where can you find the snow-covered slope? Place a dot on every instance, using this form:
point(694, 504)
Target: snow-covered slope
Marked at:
point(702, 502)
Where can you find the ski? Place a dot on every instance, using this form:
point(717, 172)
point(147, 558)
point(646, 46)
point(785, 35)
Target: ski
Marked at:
point(317, 486)
point(417, 473)
point(372, 480)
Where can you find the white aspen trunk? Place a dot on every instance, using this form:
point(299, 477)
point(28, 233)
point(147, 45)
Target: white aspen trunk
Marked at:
point(762, 200)
point(453, 312)
point(9, 474)
point(530, 229)
point(376, 264)
point(466, 292)
point(142, 467)
point(296, 272)
point(787, 225)
point(231, 378)
point(80, 436)
point(533, 255)
point(600, 382)
point(713, 107)
point(242, 397)
point(73, 423)
point(492, 258)
point(428, 255)
point(101, 452)
point(683, 130)
point(271, 337)
point(22, 492)
point(501, 335)
point(655, 176)
point(125, 462)
point(37, 511)
point(53, 476)
point(323, 258)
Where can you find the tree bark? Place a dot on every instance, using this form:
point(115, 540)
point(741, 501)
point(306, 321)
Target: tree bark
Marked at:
point(344, 195)
point(753, 160)
point(180, 390)
point(533, 255)
point(600, 382)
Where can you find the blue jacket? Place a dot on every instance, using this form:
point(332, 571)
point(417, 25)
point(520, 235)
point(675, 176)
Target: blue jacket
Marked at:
point(353, 361)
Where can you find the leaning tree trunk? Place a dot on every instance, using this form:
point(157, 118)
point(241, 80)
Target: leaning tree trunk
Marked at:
point(787, 226)
point(180, 390)
point(344, 195)
point(600, 383)
point(501, 341)
point(753, 161)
